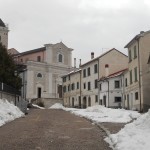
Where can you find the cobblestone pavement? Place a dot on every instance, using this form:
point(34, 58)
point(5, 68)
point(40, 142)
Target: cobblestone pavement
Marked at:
point(51, 130)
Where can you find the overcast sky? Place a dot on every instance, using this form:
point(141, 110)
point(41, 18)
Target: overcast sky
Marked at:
point(84, 25)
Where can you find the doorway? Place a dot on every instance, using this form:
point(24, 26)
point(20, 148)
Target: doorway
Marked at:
point(84, 102)
point(39, 92)
point(73, 102)
point(89, 101)
point(60, 91)
point(104, 100)
point(79, 102)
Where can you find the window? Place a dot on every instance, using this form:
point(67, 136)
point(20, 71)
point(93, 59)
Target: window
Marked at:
point(96, 84)
point(84, 85)
point(89, 101)
point(124, 97)
point(69, 77)
point(38, 58)
point(21, 60)
point(95, 68)
point(130, 56)
point(126, 82)
point(100, 87)
point(64, 89)
point(131, 77)
point(60, 58)
point(96, 98)
point(135, 73)
point(117, 84)
point(136, 96)
point(135, 53)
point(84, 73)
point(88, 71)
point(89, 85)
point(77, 85)
point(64, 79)
point(72, 86)
point(0, 38)
point(117, 99)
point(39, 75)
point(68, 87)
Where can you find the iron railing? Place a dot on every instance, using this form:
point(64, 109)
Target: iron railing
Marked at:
point(8, 89)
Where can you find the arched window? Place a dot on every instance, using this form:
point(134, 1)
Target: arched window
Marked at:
point(39, 75)
point(60, 58)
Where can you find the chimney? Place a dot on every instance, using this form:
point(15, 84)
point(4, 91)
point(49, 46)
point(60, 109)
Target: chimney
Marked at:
point(80, 63)
point(74, 63)
point(92, 55)
point(106, 70)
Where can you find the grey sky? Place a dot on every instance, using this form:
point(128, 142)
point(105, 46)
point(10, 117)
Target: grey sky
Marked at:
point(84, 25)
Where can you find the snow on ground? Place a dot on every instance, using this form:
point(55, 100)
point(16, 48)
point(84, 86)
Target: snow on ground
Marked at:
point(134, 136)
point(57, 106)
point(100, 113)
point(8, 112)
point(37, 106)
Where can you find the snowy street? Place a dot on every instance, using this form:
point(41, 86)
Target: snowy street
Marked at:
point(93, 128)
point(51, 129)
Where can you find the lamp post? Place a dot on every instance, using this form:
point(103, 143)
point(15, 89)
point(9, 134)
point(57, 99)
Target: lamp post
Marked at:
point(15, 73)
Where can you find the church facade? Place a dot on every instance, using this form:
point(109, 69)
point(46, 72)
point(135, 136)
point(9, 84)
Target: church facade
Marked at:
point(45, 66)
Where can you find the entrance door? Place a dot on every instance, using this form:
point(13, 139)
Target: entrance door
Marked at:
point(60, 91)
point(79, 102)
point(39, 92)
point(128, 106)
point(104, 100)
point(89, 101)
point(72, 102)
point(84, 102)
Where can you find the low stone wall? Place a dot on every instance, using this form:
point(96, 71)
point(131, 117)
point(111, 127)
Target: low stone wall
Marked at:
point(9, 97)
point(48, 102)
point(22, 104)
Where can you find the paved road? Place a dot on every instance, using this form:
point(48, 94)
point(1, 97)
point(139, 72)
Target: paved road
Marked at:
point(51, 130)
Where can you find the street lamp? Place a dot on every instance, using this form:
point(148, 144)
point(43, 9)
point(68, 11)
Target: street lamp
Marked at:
point(15, 73)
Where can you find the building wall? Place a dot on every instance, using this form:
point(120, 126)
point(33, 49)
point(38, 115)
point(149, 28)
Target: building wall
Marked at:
point(115, 60)
point(86, 94)
point(144, 45)
point(71, 98)
point(51, 78)
point(132, 88)
point(108, 89)
point(4, 36)
point(32, 57)
point(89, 97)
point(141, 61)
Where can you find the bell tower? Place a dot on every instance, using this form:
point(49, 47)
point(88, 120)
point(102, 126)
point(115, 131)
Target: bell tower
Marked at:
point(4, 33)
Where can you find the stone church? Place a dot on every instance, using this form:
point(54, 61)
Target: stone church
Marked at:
point(44, 67)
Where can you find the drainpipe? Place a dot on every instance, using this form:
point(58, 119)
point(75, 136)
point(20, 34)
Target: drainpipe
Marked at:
point(80, 82)
point(108, 92)
point(139, 75)
point(80, 87)
point(98, 84)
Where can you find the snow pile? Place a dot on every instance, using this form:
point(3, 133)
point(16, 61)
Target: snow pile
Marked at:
point(37, 106)
point(57, 106)
point(8, 112)
point(100, 113)
point(134, 136)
